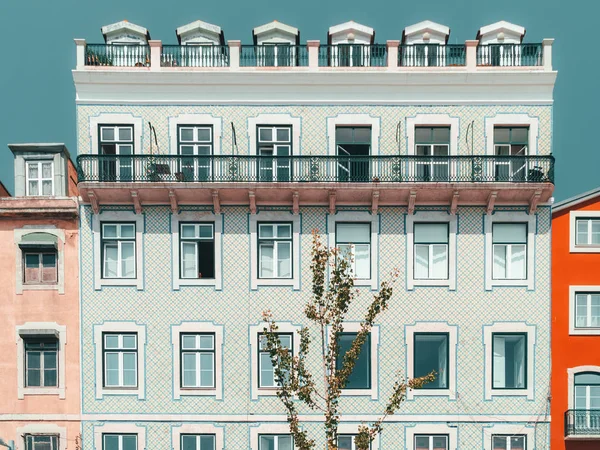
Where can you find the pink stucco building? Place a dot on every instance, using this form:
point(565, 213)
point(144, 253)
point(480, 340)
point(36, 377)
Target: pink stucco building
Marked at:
point(39, 324)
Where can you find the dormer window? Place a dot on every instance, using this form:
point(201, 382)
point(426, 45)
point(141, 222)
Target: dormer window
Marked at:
point(40, 178)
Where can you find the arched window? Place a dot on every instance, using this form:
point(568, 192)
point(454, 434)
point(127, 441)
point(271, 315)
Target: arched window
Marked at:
point(587, 390)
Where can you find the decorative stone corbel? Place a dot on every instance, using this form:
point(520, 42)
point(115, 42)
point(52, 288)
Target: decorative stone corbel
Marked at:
point(490, 202)
point(216, 202)
point(533, 201)
point(252, 198)
point(173, 200)
point(374, 202)
point(412, 200)
point(137, 206)
point(94, 202)
point(295, 203)
point(332, 200)
point(454, 203)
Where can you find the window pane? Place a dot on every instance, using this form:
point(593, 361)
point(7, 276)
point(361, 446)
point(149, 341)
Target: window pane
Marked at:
point(439, 265)
point(32, 261)
point(49, 260)
point(283, 134)
point(129, 369)
point(284, 231)
point(188, 231)
point(345, 442)
point(499, 270)
point(206, 231)
point(204, 134)
point(267, 443)
point(429, 233)
point(267, 377)
point(266, 260)
point(595, 224)
point(206, 342)
point(47, 187)
point(111, 341)
point(285, 443)
point(284, 259)
point(343, 134)
point(421, 261)
point(111, 256)
point(265, 134)
point(285, 341)
point(111, 442)
point(47, 170)
point(188, 442)
point(509, 361)
point(501, 135)
point(353, 232)
point(440, 443)
point(422, 134)
point(431, 354)
point(49, 360)
point(206, 370)
point(520, 135)
point(207, 442)
point(362, 135)
point(189, 260)
point(129, 442)
point(581, 313)
point(32, 170)
point(517, 262)
point(129, 341)
point(587, 378)
point(517, 443)
point(128, 231)
point(362, 261)
point(515, 233)
point(109, 231)
point(265, 231)
point(186, 134)
point(189, 369)
point(128, 259)
point(441, 135)
point(33, 188)
point(112, 369)
point(188, 341)
point(595, 310)
point(360, 378)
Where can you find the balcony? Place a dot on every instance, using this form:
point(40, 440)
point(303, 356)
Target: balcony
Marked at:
point(276, 55)
point(510, 55)
point(194, 56)
point(352, 180)
point(117, 55)
point(353, 55)
point(582, 424)
point(426, 55)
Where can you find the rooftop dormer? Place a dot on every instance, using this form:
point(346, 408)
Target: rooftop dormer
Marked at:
point(276, 33)
point(426, 32)
point(501, 33)
point(125, 32)
point(200, 33)
point(350, 33)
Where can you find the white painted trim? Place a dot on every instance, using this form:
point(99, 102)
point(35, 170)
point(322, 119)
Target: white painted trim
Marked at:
point(436, 217)
point(274, 119)
point(20, 286)
point(354, 120)
point(503, 119)
point(432, 327)
point(573, 290)
point(120, 327)
point(573, 216)
point(119, 216)
point(117, 119)
point(571, 372)
point(359, 216)
point(516, 217)
point(197, 428)
point(31, 328)
point(274, 216)
point(253, 332)
point(119, 428)
point(197, 327)
point(432, 120)
point(509, 429)
point(197, 120)
point(509, 327)
point(41, 428)
point(352, 428)
point(197, 216)
point(431, 428)
point(267, 428)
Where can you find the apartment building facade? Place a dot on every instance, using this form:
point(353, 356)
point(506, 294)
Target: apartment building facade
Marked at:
point(39, 326)
point(575, 326)
point(206, 166)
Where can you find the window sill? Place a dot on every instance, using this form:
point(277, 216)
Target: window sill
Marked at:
point(197, 392)
point(585, 332)
point(110, 282)
point(183, 282)
point(585, 249)
point(511, 393)
point(121, 391)
point(360, 393)
point(40, 287)
point(512, 283)
point(450, 284)
point(295, 284)
point(44, 391)
point(266, 392)
point(367, 282)
point(433, 393)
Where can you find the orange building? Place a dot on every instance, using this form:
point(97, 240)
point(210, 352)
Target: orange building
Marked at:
point(576, 323)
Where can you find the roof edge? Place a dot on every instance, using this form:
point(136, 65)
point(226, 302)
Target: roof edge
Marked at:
point(575, 200)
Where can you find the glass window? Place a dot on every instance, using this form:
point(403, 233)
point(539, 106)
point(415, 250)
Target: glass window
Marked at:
point(509, 363)
point(509, 442)
point(119, 442)
point(274, 151)
point(432, 354)
point(266, 369)
point(588, 232)
point(120, 360)
point(41, 442)
point(353, 147)
point(431, 251)
point(116, 146)
point(40, 267)
point(195, 146)
point(360, 378)
point(118, 250)
point(198, 360)
point(346, 442)
point(432, 147)
point(197, 250)
point(587, 394)
point(513, 142)
point(354, 243)
point(275, 442)
point(41, 362)
point(274, 250)
point(431, 442)
point(40, 178)
point(198, 442)
point(509, 242)
point(587, 310)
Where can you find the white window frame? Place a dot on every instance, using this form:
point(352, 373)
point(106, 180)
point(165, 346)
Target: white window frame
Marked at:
point(119, 240)
point(509, 430)
point(276, 241)
point(126, 328)
point(197, 428)
point(41, 429)
point(274, 120)
point(516, 120)
point(254, 332)
point(573, 216)
point(509, 252)
point(571, 372)
point(359, 217)
point(116, 119)
point(36, 329)
point(510, 217)
point(274, 216)
point(432, 327)
point(197, 216)
point(118, 216)
point(267, 428)
point(20, 286)
point(119, 428)
point(429, 429)
point(359, 120)
point(431, 217)
point(573, 291)
point(40, 178)
point(502, 328)
point(352, 428)
point(196, 120)
point(197, 327)
point(120, 351)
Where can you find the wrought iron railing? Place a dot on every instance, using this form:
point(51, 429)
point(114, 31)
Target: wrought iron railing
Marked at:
point(386, 169)
point(194, 56)
point(431, 55)
point(118, 55)
point(353, 55)
point(580, 422)
point(507, 55)
point(276, 55)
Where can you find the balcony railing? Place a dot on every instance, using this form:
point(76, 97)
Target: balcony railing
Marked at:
point(117, 55)
point(194, 56)
point(277, 55)
point(582, 422)
point(431, 55)
point(510, 55)
point(336, 169)
point(353, 55)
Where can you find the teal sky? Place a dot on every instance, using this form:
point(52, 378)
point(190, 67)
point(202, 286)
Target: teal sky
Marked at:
point(37, 101)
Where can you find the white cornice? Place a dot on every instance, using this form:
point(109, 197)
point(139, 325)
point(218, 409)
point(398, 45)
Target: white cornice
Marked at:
point(320, 87)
